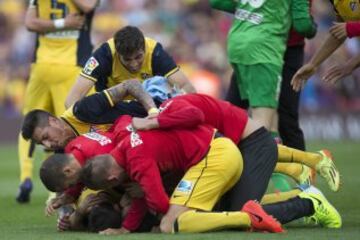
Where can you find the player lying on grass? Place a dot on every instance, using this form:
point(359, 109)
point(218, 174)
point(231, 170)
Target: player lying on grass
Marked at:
point(56, 178)
point(97, 211)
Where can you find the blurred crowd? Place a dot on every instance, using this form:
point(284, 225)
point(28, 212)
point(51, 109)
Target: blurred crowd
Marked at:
point(194, 35)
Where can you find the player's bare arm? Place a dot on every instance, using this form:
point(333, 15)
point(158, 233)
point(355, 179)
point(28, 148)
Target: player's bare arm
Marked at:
point(35, 24)
point(179, 80)
point(134, 88)
point(340, 71)
point(305, 72)
point(81, 87)
point(86, 6)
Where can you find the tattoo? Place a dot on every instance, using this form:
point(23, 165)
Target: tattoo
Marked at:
point(134, 88)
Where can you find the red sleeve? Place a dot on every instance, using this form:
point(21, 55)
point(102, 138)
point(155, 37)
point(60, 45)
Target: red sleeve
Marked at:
point(79, 155)
point(143, 169)
point(135, 215)
point(179, 114)
point(75, 191)
point(353, 29)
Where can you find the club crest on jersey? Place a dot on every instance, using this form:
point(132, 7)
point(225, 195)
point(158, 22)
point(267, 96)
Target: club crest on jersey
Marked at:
point(352, 5)
point(135, 139)
point(184, 186)
point(90, 65)
point(101, 139)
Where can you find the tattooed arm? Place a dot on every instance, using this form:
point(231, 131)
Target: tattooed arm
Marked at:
point(131, 87)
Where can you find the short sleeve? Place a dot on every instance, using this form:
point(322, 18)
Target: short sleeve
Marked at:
point(99, 66)
point(162, 63)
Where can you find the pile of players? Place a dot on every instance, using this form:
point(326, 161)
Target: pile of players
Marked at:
point(165, 161)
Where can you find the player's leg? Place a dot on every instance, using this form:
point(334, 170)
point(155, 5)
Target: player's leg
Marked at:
point(233, 95)
point(259, 152)
point(201, 188)
point(309, 202)
point(61, 85)
point(321, 161)
point(301, 173)
point(37, 96)
point(288, 110)
point(263, 88)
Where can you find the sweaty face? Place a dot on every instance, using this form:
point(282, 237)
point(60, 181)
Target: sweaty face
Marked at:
point(52, 137)
point(134, 61)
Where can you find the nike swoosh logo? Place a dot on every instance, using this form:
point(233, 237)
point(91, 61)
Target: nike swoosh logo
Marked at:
point(319, 201)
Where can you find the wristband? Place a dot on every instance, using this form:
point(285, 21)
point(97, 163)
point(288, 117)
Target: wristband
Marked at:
point(153, 111)
point(59, 23)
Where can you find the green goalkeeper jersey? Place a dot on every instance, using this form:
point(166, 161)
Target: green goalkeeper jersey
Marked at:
point(259, 31)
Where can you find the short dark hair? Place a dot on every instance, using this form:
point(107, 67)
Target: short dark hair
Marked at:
point(128, 40)
point(51, 171)
point(102, 217)
point(33, 119)
point(94, 173)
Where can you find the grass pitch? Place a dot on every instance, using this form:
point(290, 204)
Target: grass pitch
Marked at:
point(26, 222)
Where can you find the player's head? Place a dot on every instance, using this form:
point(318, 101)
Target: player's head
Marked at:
point(102, 217)
point(45, 129)
point(59, 172)
point(102, 172)
point(130, 45)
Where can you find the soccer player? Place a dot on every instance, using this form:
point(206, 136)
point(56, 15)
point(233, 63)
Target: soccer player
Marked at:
point(257, 60)
point(54, 133)
point(127, 55)
point(348, 26)
point(60, 171)
point(256, 45)
point(254, 142)
point(142, 156)
point(63, 46)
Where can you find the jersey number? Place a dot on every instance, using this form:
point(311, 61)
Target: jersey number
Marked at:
point(253, 3)
point(56, 7)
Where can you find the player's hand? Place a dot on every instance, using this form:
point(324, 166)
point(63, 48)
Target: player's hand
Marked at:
point(114, 231)
point(152, 115)
point(74, 21)
point(144, 123)
point(89, 202)
point(301, 76)
point(63, 223)
point(57, 202)
point(335, 73)
point(338, 30)
point(134, 190)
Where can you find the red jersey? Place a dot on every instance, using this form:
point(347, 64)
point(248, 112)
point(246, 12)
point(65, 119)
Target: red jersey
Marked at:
point(146, 154)
point(192, 109)
point(85, 147)
point(90, 145)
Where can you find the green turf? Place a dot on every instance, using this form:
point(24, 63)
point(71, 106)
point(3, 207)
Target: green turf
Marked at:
point(26, 222)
